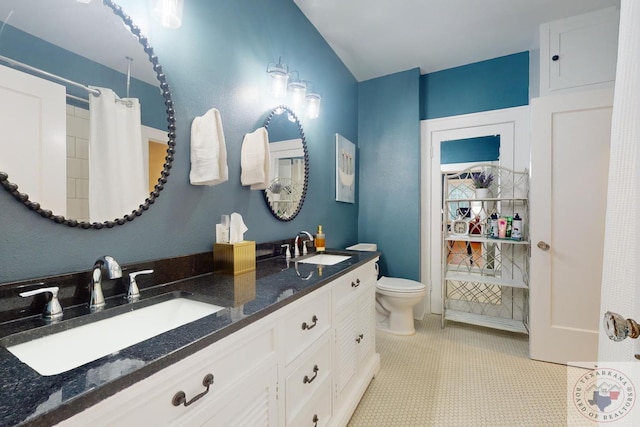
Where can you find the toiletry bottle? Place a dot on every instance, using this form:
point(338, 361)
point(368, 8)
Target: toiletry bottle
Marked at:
point(502, 227)
point(516, 227)
point(509, 226)
point(493, 227)
point(319, 240)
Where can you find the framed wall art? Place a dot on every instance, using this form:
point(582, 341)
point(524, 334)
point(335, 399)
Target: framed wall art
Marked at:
point(345, 170)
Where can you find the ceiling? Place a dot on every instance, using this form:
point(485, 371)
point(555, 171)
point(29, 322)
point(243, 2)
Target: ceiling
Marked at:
point(378, 37)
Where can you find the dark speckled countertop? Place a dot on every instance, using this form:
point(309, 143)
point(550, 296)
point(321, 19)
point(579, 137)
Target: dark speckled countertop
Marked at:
point(27, 398)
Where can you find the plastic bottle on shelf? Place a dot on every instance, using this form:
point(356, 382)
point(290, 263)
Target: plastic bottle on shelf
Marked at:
point(320, 241)
point(493, 225)
point(516, 227)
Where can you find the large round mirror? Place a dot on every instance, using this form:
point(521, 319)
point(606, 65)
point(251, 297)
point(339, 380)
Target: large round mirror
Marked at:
point(289, 168)
point(84, 107)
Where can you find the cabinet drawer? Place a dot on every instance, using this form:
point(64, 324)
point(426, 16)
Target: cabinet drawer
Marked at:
point(306, 379)
point(352, 282)
point(317, 411)
point(302, 326)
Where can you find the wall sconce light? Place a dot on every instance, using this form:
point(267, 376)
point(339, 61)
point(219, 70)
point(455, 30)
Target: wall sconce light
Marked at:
point(278, 78)
point(283, 82)
point(313, 104)
point(168, 12)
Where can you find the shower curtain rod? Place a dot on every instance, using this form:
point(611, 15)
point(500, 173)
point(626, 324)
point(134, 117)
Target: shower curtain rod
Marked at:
point(15, 63)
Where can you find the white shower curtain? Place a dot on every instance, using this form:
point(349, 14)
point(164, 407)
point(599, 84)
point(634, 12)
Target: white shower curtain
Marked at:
point(620, 283)
point(118, 178)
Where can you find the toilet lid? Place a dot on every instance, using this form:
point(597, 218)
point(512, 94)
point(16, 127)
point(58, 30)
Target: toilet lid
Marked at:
point(399, 285)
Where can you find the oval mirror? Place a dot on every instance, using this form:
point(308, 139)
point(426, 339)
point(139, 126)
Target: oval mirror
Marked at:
point(289, 169)
point(66, 153)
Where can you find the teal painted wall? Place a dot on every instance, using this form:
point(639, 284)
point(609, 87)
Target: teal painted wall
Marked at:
point(216, 59)
point(488, 85)
point(389, 151)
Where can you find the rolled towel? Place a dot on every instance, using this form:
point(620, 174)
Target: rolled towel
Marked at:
point(255, 159)
point(208, 150)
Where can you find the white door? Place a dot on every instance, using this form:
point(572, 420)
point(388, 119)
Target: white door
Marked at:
point(570, 138)
point(621, 274)
point(34, 142)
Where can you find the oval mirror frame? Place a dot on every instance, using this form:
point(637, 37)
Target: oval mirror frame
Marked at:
point(166, 94)
point(277, 111)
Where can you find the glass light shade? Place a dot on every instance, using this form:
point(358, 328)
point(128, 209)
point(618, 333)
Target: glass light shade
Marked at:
point(313, 105)
point(169, 12)
point(298, 90)
point(278, 79)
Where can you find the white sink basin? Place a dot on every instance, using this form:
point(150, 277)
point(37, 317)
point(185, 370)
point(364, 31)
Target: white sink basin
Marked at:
point(63, 351)
point(324, 259)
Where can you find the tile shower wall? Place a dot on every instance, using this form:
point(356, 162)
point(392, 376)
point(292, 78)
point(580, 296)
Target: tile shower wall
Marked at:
point(77, 163)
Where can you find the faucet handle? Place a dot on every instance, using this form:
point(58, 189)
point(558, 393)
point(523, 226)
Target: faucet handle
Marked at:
point(133, 293)
point(53, 309)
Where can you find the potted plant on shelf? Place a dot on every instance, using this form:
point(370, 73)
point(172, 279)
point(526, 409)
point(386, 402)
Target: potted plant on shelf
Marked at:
point(482, 181)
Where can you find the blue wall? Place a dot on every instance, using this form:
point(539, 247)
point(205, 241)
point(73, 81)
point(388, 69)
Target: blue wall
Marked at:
point(389, 151)
point(216, 59)
point(488, 85)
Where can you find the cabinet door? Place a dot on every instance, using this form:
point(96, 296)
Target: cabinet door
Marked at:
point(367, 324)
point(579, 51)
point(346, 345)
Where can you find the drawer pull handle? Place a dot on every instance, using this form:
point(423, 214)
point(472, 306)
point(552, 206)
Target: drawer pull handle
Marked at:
point(355, 284)
point(308, 380)
point(181, 399)
point(360, 338)
point(315, 420)
point(306, 327)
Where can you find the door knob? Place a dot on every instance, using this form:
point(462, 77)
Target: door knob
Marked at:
point(619, 328)
point(544, 245)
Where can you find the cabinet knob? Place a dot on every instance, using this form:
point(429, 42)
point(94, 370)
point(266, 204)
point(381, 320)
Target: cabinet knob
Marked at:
point(544, 246)
point(555, 57)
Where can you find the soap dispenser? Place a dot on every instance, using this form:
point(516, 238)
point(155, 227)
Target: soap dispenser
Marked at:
point(319, 241)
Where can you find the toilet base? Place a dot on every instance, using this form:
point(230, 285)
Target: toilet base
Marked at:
point(395, 332)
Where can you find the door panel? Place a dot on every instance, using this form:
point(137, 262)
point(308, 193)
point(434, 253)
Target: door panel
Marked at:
point(570, 159)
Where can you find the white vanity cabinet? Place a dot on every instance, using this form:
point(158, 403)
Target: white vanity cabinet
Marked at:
point(579, 53)
point(356, 361)
point(306, 364)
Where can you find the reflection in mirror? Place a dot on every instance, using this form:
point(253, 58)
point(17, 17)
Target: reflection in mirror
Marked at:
point(289, 164)
point(55, 52)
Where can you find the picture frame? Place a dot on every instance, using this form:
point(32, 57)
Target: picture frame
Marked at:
point(345, 170)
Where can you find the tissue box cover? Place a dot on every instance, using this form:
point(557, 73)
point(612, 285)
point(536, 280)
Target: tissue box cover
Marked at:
point(234, 258)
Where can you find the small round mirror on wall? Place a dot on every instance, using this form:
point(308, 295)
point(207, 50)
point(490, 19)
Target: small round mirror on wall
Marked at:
point(289, 168)
point(73, 57)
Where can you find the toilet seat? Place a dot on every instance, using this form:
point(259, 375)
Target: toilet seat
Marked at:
point(396, 284)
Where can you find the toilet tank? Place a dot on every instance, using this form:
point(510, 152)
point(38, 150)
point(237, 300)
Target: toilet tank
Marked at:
point(370, 247)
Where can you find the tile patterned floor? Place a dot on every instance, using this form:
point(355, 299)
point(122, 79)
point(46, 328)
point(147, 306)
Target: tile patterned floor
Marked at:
point(461, 375)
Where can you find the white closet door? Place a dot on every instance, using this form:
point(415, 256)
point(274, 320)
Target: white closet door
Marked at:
point(569, 173)
point(33, 144)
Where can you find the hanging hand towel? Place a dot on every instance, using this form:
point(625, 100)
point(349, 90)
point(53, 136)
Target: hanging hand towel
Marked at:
point(208, 150)
point(254, 159)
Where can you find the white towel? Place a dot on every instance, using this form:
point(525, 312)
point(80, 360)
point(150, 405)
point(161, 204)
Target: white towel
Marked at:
point(255, 159)
point(208, 150)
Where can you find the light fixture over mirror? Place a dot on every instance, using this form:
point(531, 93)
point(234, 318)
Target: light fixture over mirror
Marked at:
point(288, 84)
point(44, 25)
point(289, 169)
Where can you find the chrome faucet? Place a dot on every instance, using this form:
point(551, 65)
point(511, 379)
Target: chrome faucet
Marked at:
point(304, 245)
point(133, 292)
point(52, 310)
point(108, 266)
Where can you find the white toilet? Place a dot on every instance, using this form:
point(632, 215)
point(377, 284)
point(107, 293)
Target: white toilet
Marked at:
point(395, 299)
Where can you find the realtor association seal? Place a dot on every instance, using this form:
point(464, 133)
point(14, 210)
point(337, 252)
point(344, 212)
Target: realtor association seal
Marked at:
point(604, 395)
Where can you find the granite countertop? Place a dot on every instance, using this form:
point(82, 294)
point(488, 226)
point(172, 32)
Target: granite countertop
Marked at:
point(30, 399)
